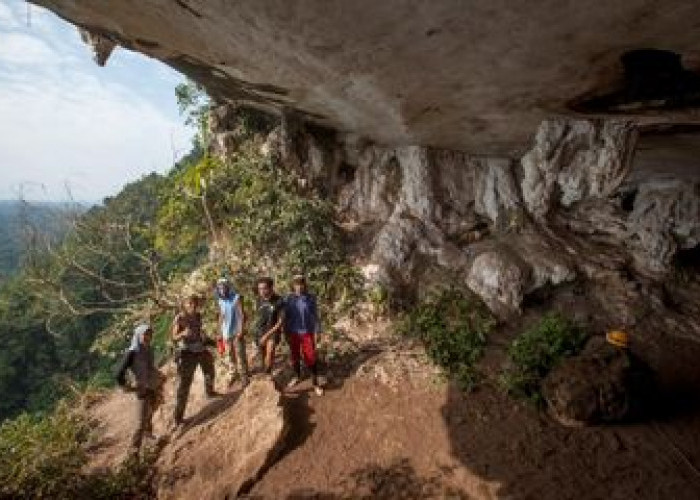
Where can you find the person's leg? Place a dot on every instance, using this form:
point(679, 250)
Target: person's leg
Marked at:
point(259, 353)
point(185, 372)
point(308, 348)
point(270, 347)
point(150, 410)
point(294, 347)
point(141, 421)
point(206, 361)
point(232, 359)
point(242, 359)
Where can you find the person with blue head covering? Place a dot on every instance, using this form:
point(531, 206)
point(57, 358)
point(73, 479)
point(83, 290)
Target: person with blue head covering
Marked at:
point(231, 320)
point(139, 359)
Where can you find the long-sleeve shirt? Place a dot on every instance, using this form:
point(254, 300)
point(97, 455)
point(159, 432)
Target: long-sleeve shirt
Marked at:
point(301, 314)
point(143, 367)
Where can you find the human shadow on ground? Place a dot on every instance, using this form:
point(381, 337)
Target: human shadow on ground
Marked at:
point(212, 409)
point(296, 401)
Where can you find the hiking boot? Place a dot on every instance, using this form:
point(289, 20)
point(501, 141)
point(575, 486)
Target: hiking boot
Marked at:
point(293, 382)
point(318, 390)
point(232, 379)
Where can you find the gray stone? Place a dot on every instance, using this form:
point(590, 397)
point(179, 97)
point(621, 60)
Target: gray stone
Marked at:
point(433, 73)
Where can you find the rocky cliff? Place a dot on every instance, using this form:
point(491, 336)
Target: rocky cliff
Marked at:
point(507, 148)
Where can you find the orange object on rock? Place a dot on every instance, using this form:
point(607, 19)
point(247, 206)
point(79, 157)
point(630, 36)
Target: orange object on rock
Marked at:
point(221, 346)
point(618, 338)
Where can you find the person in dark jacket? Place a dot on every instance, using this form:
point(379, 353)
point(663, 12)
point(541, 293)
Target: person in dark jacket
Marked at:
point(149, 381)
point(302, 326)
point(268, 327)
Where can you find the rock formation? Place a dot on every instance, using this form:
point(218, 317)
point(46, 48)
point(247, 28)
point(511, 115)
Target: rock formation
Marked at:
point(476, 77)
point(456, 153)
point(602, 384)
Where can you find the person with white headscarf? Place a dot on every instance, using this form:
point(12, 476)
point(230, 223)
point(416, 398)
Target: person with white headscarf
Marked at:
point(231, 320)
point(140, 361)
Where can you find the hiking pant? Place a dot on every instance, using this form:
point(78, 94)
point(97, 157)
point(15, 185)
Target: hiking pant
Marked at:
point(237, 356)
point(302, 345)
point(145, 406)
point(186, 365)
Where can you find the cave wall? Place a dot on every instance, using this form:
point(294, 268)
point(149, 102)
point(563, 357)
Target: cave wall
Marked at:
point(574, 207)
point(471, 75)
point(479, 143)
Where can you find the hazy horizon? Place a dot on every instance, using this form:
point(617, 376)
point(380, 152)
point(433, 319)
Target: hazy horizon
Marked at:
point(70, 129)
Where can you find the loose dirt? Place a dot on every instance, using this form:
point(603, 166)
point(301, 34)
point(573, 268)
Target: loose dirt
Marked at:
point(389, 426)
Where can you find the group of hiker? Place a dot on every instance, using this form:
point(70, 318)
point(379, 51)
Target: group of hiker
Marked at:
point(294, 317)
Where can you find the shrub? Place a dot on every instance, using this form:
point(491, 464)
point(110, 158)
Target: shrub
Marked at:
point(269, 225)
point(454, 327)
point(536, 351)
point(44, 456)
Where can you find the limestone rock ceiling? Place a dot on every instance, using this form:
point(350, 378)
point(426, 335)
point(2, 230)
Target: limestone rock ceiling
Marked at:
point(473, 75)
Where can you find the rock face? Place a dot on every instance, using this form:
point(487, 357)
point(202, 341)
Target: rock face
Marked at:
point(231, 450)
point(420, 121)
point(575, 160)
point(602, 384)
point(477, 77)
point(574, 207)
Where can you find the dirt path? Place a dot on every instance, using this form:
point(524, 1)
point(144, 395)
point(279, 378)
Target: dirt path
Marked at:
point(387, 427)
point(367, 440)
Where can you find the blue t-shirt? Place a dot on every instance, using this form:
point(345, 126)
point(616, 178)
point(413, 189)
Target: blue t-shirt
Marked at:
point(301, 314)
point(230, 322)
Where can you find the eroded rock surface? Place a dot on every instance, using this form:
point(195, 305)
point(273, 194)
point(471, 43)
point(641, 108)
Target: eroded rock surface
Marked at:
point(477, 77)
point(220, 457)
point(445, 146)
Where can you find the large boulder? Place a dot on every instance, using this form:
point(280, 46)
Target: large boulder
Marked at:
point(500, 279)
point(603, 383)
point(226, 453)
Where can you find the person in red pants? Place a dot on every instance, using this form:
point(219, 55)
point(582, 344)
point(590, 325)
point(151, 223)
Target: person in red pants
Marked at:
point(302, 326)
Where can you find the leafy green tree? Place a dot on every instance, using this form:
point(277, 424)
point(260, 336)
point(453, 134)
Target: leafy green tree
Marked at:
point(194, 104)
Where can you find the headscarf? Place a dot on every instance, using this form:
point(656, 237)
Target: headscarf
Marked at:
point(229, 287)
point(137, 337)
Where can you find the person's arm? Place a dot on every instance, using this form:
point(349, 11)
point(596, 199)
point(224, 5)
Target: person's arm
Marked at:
point(276, 327)
point(126, 362)
point(240, 317)
point(177, 332)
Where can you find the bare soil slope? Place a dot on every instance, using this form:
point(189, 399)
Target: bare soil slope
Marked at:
point(389, 426)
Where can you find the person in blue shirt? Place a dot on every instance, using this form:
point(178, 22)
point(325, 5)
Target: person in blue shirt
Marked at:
point(231, 320)
point(302, 326)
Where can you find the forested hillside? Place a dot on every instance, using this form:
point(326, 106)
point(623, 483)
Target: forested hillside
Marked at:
point(19, 219)
point(68, 311)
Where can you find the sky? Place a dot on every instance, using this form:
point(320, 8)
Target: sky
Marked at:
point(70, 129)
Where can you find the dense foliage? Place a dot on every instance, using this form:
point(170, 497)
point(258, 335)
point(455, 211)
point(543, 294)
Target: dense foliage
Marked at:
point(69, 311)
point(20, 220)
point(537, 350)
point(454, 327)
point(44, 456)
point(262, 223)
